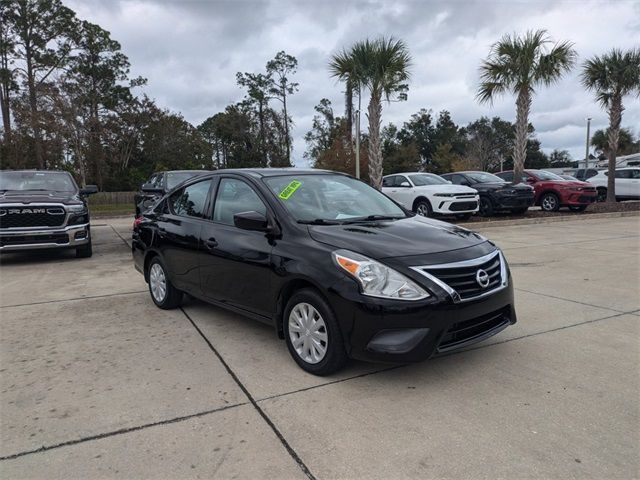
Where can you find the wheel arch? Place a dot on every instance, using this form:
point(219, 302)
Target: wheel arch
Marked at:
point(285, 293)
point(545, 192)
point(150, 255)
point(418, 199)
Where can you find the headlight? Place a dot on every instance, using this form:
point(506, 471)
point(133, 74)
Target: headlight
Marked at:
point(76, 208)
point(376, 279)
point(444, 194)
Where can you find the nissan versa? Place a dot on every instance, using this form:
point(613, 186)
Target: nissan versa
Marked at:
point(336, 267)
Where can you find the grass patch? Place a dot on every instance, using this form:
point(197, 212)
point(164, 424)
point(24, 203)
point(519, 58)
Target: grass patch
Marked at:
point(111, 209)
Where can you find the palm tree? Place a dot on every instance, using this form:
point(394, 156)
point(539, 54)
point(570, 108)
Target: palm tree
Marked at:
point(343, 67)
point(519, 64)
point(382, 67)
point(611, 77)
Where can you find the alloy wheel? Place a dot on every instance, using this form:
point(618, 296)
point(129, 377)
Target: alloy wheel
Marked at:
point(158, 282)
point(549, 203)
point(308, 333)
point(423, 210)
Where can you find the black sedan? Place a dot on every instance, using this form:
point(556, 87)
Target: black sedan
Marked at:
point(336, 267)
point(496, 195)
point(158, 184)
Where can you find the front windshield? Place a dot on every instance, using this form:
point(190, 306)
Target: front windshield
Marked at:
point(31, 180)
point(544, 175)
point(175, 178)
point(484, 177)
point(424, 179)
point(330, 198)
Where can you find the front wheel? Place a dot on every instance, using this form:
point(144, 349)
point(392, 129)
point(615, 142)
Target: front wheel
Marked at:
point(313, 335)
point(486, 207)
point(423, 208)
point(550, 202)
point(85, 251)
point(162, 291)
point(577, 208)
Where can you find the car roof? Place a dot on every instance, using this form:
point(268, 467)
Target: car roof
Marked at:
point(274, 172)
point(184, 171)
point(412, 173)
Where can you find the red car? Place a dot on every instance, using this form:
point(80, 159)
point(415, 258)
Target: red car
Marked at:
point(553, 191)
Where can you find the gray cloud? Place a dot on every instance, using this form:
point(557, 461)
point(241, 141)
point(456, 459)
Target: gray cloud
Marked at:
point(191, 50)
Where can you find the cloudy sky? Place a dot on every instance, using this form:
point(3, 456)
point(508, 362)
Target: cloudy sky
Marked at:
point(191, 50)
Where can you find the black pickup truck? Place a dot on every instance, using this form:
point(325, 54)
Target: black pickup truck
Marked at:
point(158, 184)
point(43, 209)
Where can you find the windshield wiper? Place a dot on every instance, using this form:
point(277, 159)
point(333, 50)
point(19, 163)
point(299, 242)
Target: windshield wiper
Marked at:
point(319, 221)
point(372, 218)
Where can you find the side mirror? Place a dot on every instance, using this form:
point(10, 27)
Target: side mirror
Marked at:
point(149, 188)
point(405, 185)
point(449, 182)
point(89, 190)
point(251, 220)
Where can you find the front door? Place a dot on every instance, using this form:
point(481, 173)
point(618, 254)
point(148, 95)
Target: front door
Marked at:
point(235, 263)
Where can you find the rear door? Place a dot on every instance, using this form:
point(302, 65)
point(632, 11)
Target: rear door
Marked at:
point(236, 263)
point(179, 229)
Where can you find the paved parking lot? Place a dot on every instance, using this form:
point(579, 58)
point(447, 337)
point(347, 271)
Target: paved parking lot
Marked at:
point(98, 383)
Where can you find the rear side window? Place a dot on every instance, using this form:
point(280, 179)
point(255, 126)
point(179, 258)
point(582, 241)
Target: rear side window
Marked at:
point(191, 201)
point(389, 181)
point(235, 196)
point(508, 176)
point(456, 179)
point(635, 174)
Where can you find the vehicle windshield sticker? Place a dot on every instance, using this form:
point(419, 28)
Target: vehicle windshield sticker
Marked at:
point(290, 189)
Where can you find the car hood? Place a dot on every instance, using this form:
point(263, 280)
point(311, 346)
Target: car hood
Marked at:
point(445, 189)
point(413, 236)
point(27, 198)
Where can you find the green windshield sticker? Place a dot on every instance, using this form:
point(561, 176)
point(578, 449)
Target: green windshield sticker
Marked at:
point(290, 189)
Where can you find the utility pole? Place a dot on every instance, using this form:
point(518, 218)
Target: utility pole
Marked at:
point(586, 155)
point(357, 114)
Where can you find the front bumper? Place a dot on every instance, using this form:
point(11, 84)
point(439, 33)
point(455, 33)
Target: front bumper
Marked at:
point(400, 332)
point(514, 201)
point(37, 239)
point(579, 198)
point(455, 206)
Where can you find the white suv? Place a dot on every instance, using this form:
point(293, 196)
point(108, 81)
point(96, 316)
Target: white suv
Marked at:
point(428, 194)
point(627, 183)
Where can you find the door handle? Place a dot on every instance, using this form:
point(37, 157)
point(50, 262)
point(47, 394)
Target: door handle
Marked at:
point(394, 191)
point(211, 244)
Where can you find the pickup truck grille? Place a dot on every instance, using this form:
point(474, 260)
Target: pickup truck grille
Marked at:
point(31, 217)
point(468, 279)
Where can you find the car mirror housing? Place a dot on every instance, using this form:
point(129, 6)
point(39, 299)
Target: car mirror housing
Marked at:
point(89, 190)
point(251, 220)
point(146, 188)
point(405, 185)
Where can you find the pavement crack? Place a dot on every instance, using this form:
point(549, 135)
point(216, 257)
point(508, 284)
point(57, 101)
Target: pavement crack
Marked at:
point(122, 431)
point(568, 300)
point(294, 455)
point(75, 299)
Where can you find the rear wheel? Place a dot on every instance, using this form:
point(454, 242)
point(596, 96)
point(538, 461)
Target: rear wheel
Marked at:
point(163, 293)
point(602, 194)
point(423, 207)
point(577, 208)
point(312, 333)
point(550, 202)
point(486, 207)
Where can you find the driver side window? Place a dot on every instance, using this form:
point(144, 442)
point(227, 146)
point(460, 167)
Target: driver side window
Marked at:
point(235, 196)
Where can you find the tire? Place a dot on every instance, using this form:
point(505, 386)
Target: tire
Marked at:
point(486, 207)
point(577, 208)
point(550, 202)
point(519, 211)
point(464, 216)
point(423, 207)
point(320, 352)
point(168, 297)
point(602, 194)
point(85, 251)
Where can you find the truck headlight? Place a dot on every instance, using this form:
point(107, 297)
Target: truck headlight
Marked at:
point(376, 279)
point(76, 209)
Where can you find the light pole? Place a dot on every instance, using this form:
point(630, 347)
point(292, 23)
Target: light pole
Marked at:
point(586, 155)
point(357, 114)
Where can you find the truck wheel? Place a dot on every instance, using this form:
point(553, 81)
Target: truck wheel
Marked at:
point(423, 207)
point(162, 291)
point(312, 334)
point(550, 202)
point(85, 251)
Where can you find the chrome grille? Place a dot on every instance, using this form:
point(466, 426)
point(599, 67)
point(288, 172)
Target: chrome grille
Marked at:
point(469, 279)
point(30, 216)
